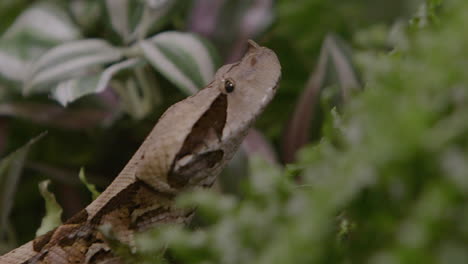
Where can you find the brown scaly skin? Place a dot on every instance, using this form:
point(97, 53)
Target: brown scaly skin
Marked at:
point(187, 149)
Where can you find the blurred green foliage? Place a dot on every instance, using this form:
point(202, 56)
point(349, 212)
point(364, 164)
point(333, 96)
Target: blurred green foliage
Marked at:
point(389, 186)
point(299, 31)
point(386, 183)
point(9, 9)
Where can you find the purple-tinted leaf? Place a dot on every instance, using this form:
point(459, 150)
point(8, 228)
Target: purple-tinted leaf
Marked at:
point(334, 68)
point(254, 21)
point(56, 116)
point(204, 17)
point(231, 23)
point(256, 144)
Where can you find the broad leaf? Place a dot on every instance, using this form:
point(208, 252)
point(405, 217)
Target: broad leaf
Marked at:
point(16, 55)
point(18, 49)
point(154, 15)
point(85, 13)
point(183, 58)
point(118, 11)
point(138, 92)
point(72, 89)
point(11, 67)
point(132, 20)
point(58, 27)
point(68, 61)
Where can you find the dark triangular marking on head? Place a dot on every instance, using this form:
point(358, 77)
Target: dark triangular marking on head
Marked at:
point(150, 217)
point(213, 119)
point(208, 129)
point(208, 160)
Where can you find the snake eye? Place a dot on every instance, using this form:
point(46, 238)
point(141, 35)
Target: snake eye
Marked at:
point(229, 86)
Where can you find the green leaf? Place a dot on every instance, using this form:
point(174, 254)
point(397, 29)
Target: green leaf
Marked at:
point(91, 187)
point(118, 11)
point(11, 67)
point(59, 27)
point(132, 20)
point(152, 17)
point(86, 13)
point(139, 92)
point(18, 52)
point(183, 58)
point(69, 61)
point(11, 168)
point(72, 89)
point(52, 219)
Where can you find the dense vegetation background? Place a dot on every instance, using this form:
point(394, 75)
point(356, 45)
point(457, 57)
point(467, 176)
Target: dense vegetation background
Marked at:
point(373, 94)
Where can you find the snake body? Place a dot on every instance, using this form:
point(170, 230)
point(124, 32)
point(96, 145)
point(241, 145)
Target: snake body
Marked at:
point(188, 147)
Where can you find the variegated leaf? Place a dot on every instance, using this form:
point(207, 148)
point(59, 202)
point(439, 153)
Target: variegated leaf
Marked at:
point(58, 27)
point(86, 12)
point(132, 20)
point(153, 16)
point(118, 11)
point(72, 89)
point(27, 39)
point(69, 61)
point(11, 67)
point(183, 58)
point(16, 54)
